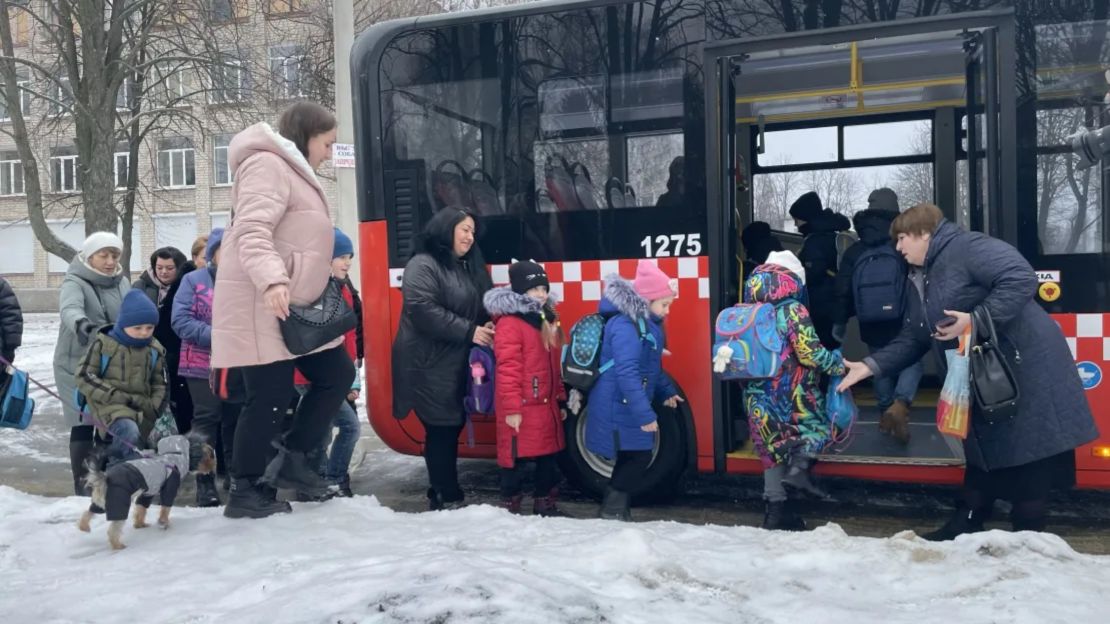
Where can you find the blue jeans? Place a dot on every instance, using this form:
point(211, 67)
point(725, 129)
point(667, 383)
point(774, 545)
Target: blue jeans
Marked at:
point(125, 441)
point(900, 387)
point(335, 466)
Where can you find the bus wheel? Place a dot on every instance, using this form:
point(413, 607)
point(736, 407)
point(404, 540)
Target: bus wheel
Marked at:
point(590, 473)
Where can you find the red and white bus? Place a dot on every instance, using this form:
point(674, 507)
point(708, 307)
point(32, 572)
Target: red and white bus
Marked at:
point(590, 134)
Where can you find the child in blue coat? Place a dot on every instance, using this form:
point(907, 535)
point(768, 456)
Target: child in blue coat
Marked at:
point(622, 424)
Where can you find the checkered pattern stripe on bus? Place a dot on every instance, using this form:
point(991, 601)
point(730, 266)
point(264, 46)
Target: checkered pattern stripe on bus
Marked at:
point(1088, 335)
point(582, 280)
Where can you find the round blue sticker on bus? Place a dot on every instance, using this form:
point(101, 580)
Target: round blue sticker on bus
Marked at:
point(1090, 374)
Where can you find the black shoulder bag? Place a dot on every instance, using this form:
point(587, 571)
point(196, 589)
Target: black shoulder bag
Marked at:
point(993, 383)
point(312, 326)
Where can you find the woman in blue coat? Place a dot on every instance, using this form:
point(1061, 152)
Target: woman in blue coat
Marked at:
point(622, 424)
point(1020, 458)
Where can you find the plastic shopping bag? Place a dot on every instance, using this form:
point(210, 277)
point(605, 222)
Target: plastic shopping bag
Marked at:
point(954, 406)
point(841, 409)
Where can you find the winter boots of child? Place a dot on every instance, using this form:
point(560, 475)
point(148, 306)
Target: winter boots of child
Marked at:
point(895, 421)
point(546, 505)
point(616, 505)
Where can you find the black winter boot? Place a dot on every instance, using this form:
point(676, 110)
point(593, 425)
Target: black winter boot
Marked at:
point(436, 502)
point(253, 500)
point(344, 484)
point(778, 517)
point(206, 491)
point(797, 477)
point(963, 521)
point(513, 504)
point(616, 506)
point(548, 506)
point(292, 470)
point(79, 452)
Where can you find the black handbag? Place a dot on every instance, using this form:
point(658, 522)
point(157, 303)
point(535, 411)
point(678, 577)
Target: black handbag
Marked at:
point(994, 387)
point(312, 326)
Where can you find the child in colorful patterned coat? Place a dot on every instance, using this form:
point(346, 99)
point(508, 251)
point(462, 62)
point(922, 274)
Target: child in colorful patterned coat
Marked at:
point(786, 414)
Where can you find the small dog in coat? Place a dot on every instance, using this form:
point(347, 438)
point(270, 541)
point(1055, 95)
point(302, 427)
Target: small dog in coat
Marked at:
point(114, 489)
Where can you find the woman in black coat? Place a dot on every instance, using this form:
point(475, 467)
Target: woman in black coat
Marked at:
point(160, 283)
point(1020, 458)
point(442, 316)
point(11, 325)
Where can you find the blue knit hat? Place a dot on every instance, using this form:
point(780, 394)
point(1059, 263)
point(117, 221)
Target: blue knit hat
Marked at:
point(343, 245)
point(215, 238)
point(136, 309)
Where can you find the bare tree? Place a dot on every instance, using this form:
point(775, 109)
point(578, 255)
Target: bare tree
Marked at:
point(114, 72)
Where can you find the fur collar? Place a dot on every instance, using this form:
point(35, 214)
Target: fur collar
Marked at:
point(623, 297)
point(503, 301)
point(292, 154)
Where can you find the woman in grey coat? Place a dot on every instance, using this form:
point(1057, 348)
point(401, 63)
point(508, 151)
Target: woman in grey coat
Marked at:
point(90, 298)
point(1022, 458)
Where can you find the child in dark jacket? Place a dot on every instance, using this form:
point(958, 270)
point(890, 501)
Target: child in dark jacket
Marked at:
point(530, 398)
point(122, 377)
point(787, 416)
point(622, 423)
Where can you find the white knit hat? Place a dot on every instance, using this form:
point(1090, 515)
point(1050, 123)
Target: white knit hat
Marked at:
point(100, 240)
point(788, 261)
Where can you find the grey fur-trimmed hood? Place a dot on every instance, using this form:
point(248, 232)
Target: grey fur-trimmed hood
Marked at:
point(502, 301)
point(620, 297)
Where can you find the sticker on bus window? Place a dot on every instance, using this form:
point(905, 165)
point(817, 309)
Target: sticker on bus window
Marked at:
point(1049, 291)
point(1048, 276)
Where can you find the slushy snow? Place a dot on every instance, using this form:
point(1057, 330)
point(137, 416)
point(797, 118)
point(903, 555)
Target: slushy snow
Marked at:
point(352, 560)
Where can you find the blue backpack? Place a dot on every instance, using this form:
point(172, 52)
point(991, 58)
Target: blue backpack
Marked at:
point(480, 393)
point(841, 409)
point(16, 405)
point(581, 358)
point(79, 399)
point(879, 284)
point(748, 343)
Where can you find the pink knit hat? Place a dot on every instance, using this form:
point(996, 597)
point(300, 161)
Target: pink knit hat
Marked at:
point(651, 283)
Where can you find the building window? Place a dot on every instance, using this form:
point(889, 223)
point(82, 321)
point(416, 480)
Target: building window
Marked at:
point(23, 82)
point(227, 10)
point(176, 163)
point(11, 174)
point(65, 177)
point(221, 164)
point(170, 83)
point(121, 169)
point(285, 68)
point(125, 97)
point(286, 7)
point(19, 17)
point(63, 98)
point(229, 80)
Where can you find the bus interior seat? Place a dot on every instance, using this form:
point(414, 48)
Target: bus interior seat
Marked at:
point(584, 187)
point(484, 193)
point(451, 188)
point(614, 193)
point(560, 184)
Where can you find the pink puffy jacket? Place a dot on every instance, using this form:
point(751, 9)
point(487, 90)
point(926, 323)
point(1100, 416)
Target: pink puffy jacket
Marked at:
point(280, 233)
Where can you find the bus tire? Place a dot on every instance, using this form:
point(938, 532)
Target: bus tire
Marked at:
point(589, 473)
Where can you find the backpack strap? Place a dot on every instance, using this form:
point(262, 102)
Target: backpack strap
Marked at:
point(645, 336)
point(104, 360)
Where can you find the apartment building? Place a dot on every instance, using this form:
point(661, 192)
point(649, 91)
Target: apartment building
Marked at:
point(185, 187)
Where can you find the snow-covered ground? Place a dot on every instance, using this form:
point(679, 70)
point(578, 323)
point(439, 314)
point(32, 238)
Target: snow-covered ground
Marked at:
point(356, 561)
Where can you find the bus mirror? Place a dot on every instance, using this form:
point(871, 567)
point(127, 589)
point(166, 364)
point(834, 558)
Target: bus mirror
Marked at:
point(1090, 145)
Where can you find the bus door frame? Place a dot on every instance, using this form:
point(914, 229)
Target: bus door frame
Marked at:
point(721, 172)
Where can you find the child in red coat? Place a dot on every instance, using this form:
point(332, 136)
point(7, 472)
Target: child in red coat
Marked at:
point(530, 398)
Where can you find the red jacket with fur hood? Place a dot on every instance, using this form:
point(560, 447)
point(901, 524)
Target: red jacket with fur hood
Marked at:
point(528, 379)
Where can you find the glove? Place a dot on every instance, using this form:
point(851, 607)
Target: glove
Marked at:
point(838, 332)
point(574, 401)
point(84, 331)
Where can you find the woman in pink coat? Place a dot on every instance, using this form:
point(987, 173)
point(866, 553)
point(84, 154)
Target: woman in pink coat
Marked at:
point(277, 251)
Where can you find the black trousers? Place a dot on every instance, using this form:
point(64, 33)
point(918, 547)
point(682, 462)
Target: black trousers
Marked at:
point(629, 471)
point(214, 419)
point(546, 478)
point(180, 398)
point(269, 390)
point(441, 456)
